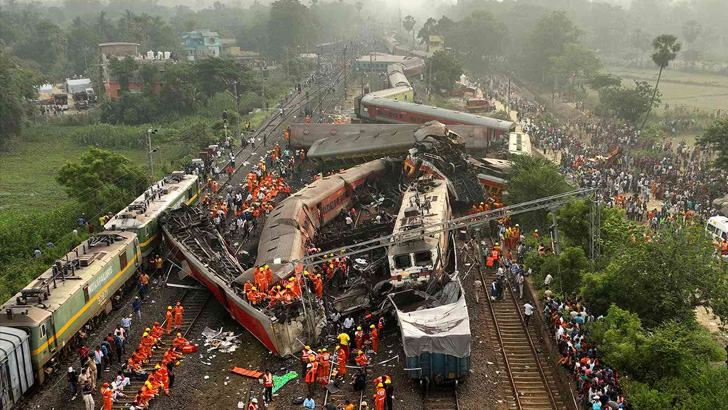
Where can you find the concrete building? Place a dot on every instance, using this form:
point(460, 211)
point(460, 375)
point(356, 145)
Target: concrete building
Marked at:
point(435, 43)
point(119, 49)
point(201, 44)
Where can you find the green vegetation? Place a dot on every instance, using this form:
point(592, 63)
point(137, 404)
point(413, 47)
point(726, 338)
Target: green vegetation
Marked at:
point(533, 177)
point(445, 71)
point(18, 84)
point(716, 137)
point(627, 103)
point(647, 285)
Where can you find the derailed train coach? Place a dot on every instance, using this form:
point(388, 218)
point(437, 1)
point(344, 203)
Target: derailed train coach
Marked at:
point(435, 334)
point(287, 228)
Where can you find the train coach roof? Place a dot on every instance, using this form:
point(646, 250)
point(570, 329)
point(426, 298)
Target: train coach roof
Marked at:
point(461, 117)
point(101, 256)
point(443, 329)
point(150, 205)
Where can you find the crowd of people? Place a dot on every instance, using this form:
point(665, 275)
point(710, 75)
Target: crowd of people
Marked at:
point(597, 384)
point(157, 380)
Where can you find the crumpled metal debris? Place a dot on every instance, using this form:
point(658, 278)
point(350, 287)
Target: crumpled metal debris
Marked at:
point(225, 342)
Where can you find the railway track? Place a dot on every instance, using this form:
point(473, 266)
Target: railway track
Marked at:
point(339, 398)
point(275, 121)
point(440, 399)
point(194, 302)
point(526, 369)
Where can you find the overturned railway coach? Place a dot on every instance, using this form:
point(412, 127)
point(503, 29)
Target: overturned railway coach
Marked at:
point(376, 109)
point(283, 241)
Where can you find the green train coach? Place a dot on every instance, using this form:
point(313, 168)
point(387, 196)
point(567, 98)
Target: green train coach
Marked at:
point(142, 215)
point(55, 306)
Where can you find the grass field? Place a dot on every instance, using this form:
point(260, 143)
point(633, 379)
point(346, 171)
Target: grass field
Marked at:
point(694, 90)
point(27, 180)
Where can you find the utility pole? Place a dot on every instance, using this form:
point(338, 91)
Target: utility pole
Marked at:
point(262, 81)
point(237, 110)
point(150, 162)
point(346, 66)
point(508, 100)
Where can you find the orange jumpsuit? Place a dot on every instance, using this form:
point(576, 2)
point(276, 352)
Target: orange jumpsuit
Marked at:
point(359, 337)
point(325, 369)
point(178, 311)
point(341, 359)
point(380, 398)
point(169, 321)
point(374, 337)
point(106, 395)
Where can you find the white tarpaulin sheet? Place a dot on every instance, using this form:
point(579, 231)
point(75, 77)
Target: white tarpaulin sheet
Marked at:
point(443, 329)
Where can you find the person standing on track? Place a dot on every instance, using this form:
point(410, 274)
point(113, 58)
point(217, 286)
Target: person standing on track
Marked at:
point(268, 385)
point(380, 397)
point(527, 312)
point(137, 306)
point(88, 398)
point(169, 318)
point(178, 312)
point(389, 389)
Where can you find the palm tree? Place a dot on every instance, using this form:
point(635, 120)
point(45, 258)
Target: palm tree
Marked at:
point(666, 48)
point(409, 25)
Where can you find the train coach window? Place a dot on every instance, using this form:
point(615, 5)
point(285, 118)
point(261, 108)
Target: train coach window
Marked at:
point(42, 331)
point(423, 258)
point(402, 261)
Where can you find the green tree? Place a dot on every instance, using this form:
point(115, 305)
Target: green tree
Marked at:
point(640, 41)
point(691, 30)
point(180, 90)
point(19, 86)
point(291, 25)
point(46, 45)
point(102, 178)
point(619, 338)
point(409, 25)
point(662, 280)
point(467, 38)
point(628, 104)
point(123, 70)
point(716, 137)
point(445, 70)
point(567, 269)
point(576, 65)
point(216, 75)
point(427, 29)
point(548, 39)
point(530, 178)
point(600, 81)
point(666, 49)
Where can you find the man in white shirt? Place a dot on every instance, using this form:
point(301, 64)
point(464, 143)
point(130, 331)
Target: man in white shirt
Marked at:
point(528, 311)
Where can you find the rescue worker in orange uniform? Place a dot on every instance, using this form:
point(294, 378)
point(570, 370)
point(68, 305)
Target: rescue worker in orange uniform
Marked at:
point(359, 337)
point(305, 358)
point(179, 341)
point(380, 397)
point(318, 285)
point(311, 372)
point(106, 395)
point(169, 320)
point(362, 360)
point(268, 385)
point(325, 368)
point(341, 360)
point(374, 337)
point(178, 312)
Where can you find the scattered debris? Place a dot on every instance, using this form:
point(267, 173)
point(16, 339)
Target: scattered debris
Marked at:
point(225, 342)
